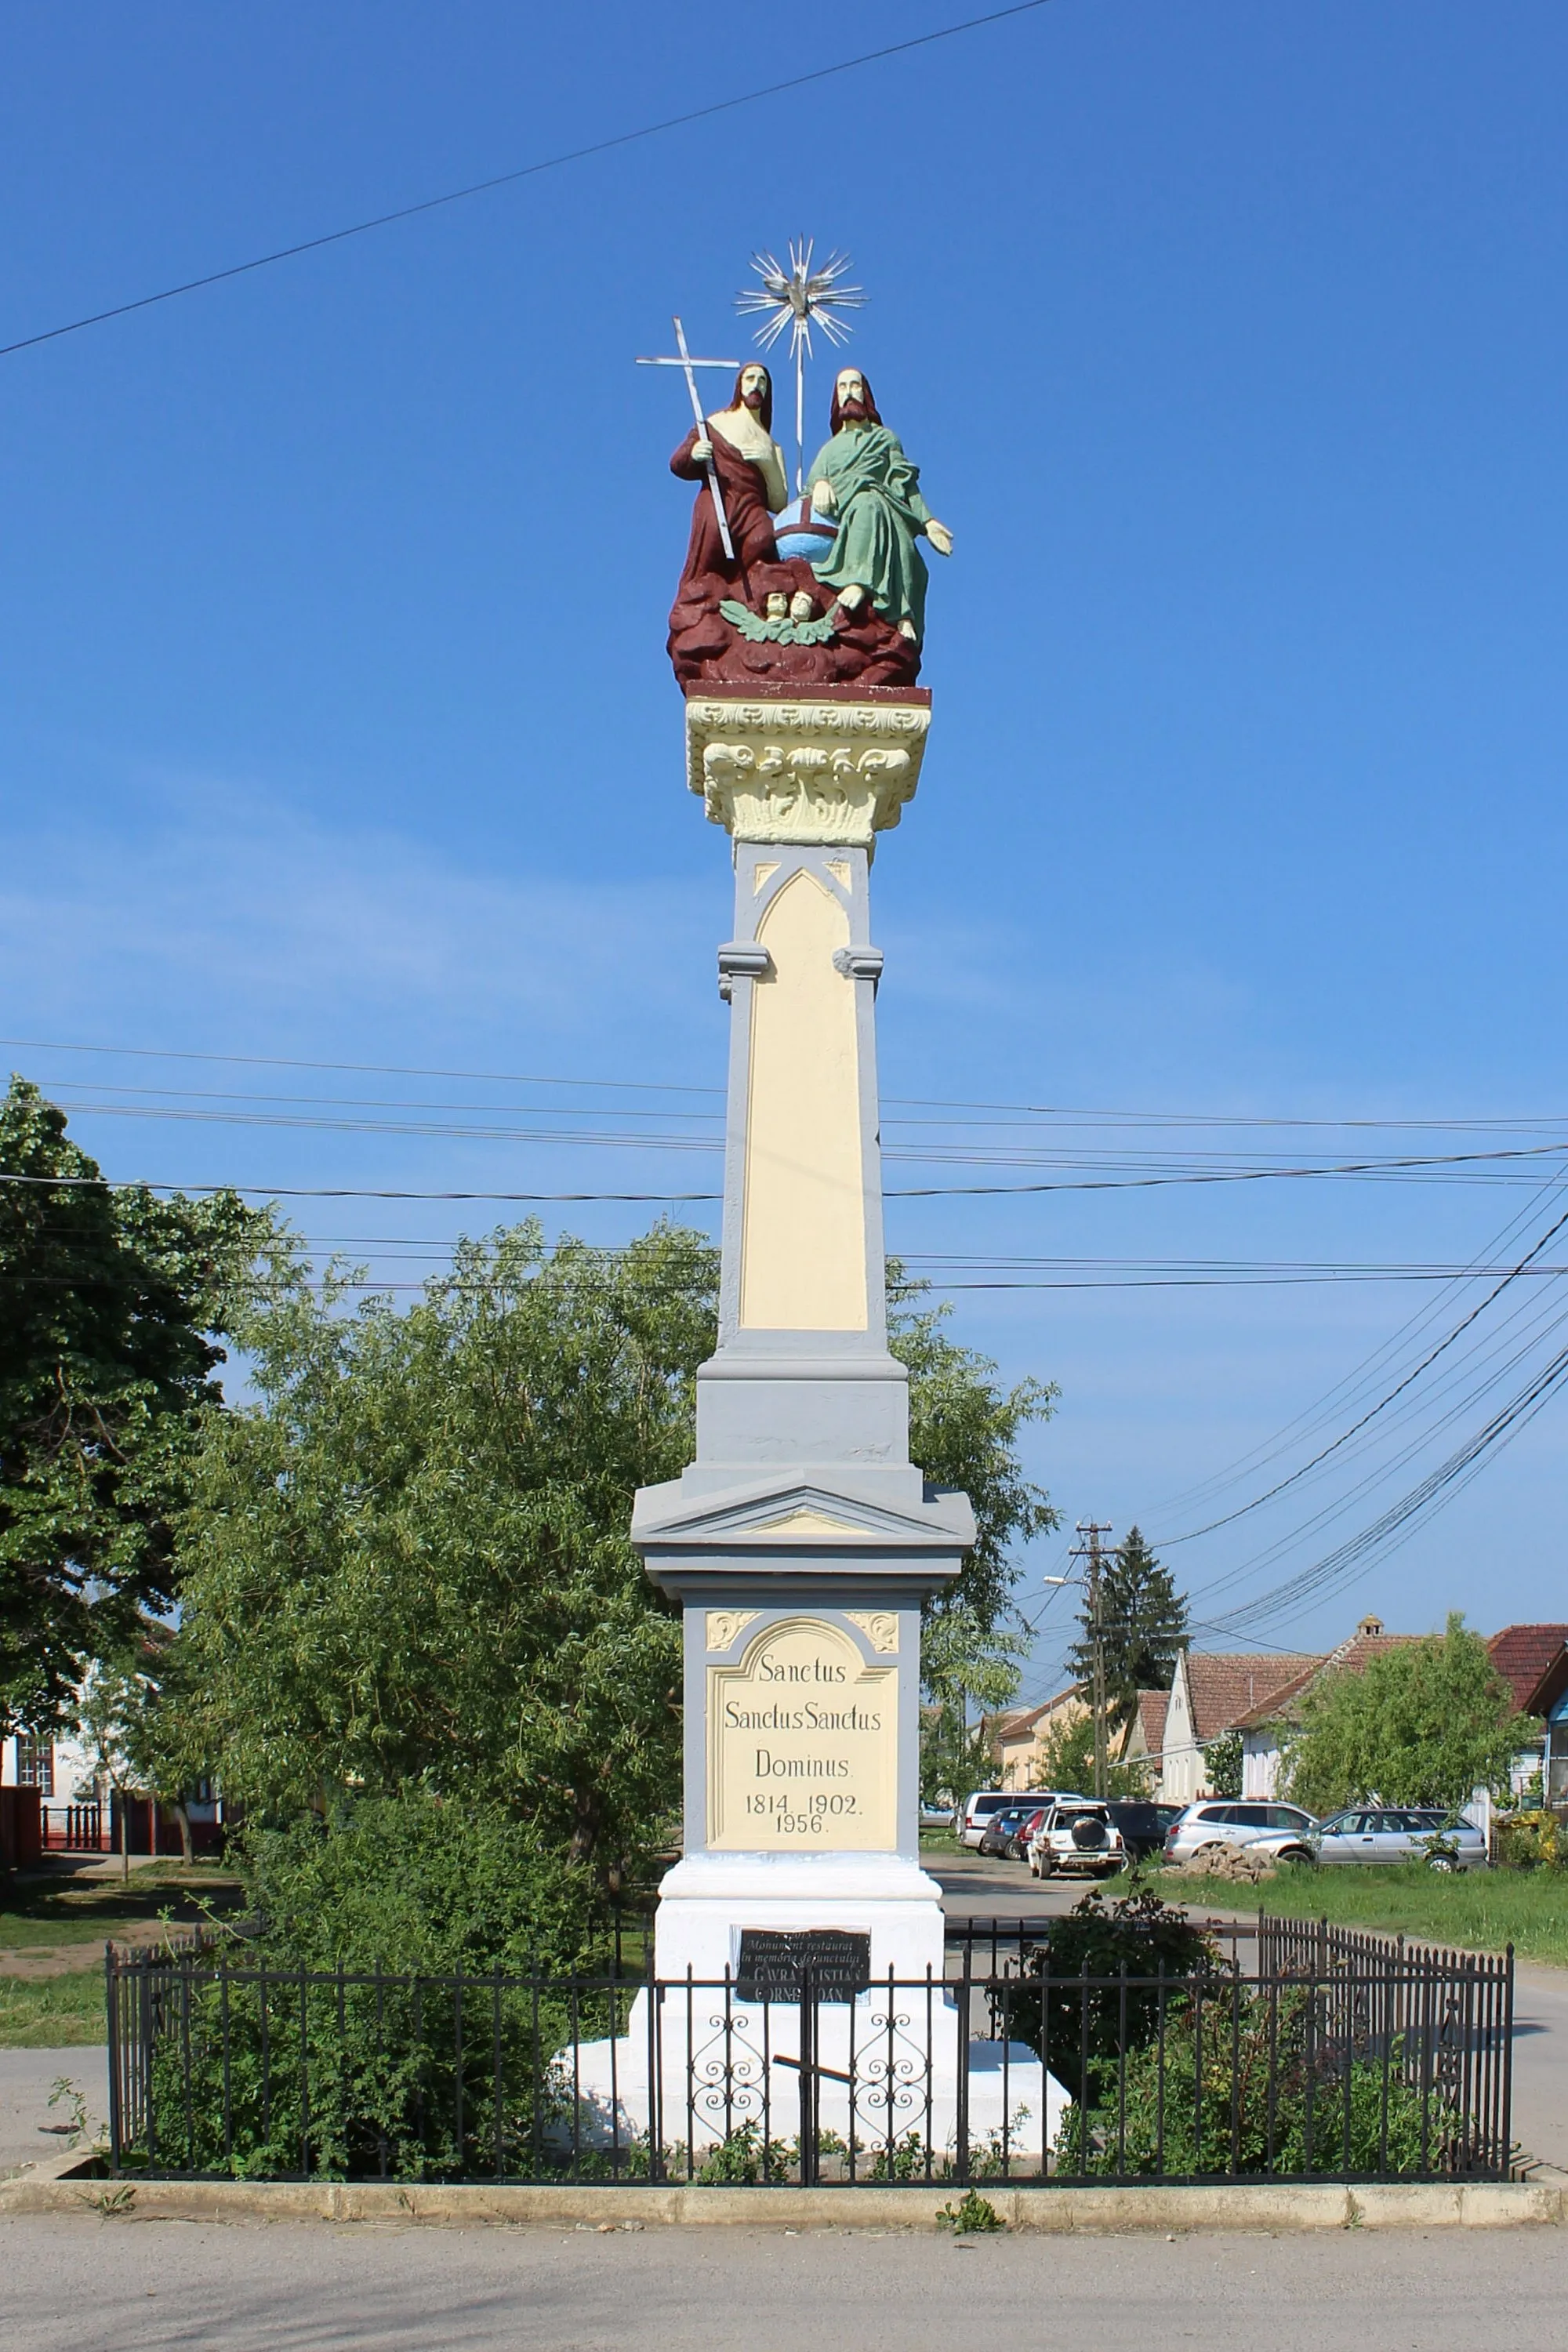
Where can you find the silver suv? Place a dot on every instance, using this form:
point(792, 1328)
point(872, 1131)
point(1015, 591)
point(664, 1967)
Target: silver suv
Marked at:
point(1281, 1830)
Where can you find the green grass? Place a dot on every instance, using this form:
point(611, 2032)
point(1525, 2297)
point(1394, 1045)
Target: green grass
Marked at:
point(1479, 1910)
point(59, 1910)
point(52, 2013)
point(1476, 1910)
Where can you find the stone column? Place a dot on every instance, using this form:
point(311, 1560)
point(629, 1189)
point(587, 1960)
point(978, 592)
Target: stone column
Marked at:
point(801, 1540)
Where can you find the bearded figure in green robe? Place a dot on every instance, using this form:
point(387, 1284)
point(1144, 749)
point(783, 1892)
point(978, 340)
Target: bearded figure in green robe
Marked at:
point(862, 478)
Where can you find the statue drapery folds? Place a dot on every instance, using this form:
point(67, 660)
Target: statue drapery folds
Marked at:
point(855, 613)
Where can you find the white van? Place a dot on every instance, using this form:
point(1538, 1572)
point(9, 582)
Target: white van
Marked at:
point(969, 1823)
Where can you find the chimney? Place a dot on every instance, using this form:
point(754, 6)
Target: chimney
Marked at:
point(1368, 1628)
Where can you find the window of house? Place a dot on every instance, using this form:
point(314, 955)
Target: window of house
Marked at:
point(35, 1762)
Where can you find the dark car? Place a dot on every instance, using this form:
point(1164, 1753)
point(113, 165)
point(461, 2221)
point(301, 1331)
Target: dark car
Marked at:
point(1002, 1828)
point(1143, 1825)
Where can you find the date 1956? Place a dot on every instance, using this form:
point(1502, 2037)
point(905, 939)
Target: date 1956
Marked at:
point(801, 1816)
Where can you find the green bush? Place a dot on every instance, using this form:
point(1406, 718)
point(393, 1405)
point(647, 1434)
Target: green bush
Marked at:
point(1524, 1840)
point(1242, 2086)
point(414, 2058)
point(1064, 2020)
point(356, 2075)
point(411, 1883)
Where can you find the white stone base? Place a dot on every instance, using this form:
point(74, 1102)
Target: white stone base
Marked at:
point(887, 2064)
point(887, 2076)
point(708, 1898)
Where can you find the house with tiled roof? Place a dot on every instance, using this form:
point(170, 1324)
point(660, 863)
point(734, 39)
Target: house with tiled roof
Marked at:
point(1522, 1655)
point(1146, 1737)
point(1534, 1662)
point(1263, 1727)
point(1021, 1737)
point(1209, 1694)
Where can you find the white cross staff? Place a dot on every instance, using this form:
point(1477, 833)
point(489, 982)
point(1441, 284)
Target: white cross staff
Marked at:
point(687, 363)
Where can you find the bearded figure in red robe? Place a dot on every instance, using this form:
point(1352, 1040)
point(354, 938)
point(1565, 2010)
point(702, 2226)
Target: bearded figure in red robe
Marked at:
point(738, 441)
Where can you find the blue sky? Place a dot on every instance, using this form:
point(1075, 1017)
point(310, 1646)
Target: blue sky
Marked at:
point(335, 724)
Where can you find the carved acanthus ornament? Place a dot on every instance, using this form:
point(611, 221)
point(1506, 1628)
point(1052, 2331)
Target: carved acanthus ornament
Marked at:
point(881, 1627)
point(807, 770)
point(725, 1626)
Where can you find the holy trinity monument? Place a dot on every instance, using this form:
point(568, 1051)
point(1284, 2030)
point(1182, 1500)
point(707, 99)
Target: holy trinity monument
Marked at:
point(801, 1540)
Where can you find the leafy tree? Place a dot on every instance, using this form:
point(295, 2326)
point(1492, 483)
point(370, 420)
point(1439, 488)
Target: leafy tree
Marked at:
point(1222, 1767)
point(1144, 1621)
point(409, 1562)
point(1423, 1724)
point(964, 1432)
point(111, 1305)
point(1067, 1761)
point(956, 1756)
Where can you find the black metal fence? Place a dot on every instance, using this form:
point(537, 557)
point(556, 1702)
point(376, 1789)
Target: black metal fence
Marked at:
point(1297, 2050)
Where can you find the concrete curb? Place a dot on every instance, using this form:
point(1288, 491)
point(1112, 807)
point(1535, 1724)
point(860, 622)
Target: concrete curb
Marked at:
point(64, 2185)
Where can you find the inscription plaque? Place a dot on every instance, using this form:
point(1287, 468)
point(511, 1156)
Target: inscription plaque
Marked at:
point(775, 1963)
point(803, 1745)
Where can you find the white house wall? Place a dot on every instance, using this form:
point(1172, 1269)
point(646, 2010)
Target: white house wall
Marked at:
point(1259, 1765)
point(1181, 1765)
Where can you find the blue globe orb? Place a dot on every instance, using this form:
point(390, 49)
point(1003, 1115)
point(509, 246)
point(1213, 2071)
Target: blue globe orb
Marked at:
point(801, 531)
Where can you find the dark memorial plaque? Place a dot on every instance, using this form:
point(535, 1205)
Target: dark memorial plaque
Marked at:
point(775, 1962)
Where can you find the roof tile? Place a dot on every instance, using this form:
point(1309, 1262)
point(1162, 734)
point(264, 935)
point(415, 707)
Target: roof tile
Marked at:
point(1522, 1655)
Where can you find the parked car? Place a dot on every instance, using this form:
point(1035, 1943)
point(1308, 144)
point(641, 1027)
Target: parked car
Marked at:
point(1391, 1834)
point(996, 1836)
point(1143, 1825)
point(1077, 1834)
point(1018, 1843)
point(1283, 1831)
point(970, 1821)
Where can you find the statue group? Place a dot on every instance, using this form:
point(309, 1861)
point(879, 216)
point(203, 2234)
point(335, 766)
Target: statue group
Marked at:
point(834, 594)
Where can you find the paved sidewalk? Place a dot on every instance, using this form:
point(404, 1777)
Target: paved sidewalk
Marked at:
point(27, 2132)
point(117, 2285)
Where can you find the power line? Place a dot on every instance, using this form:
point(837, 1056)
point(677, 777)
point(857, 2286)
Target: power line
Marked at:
point(523, 172)
point(1338, 1567)
point(334, 1192)
point(1398, 1390)
point(1556, 1122)
point(1368, 1168)
point(347, 1069)
point(1346, 1393)
point(1168, 1171)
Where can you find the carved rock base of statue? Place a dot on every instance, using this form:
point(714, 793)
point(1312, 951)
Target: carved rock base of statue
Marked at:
point(724, 633)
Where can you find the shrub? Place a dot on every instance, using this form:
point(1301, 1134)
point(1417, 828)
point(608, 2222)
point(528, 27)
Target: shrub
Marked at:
point(1244, 2084)
point(1067, 2012)
point(414, 1885)
point(413, 2058)
point(1525, 1839)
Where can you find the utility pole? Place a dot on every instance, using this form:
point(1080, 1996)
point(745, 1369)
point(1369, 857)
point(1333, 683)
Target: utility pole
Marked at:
point(1090, 1553)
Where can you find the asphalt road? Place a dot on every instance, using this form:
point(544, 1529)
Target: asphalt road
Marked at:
point(111, 2286)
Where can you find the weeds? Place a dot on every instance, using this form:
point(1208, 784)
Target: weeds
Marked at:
point(972, 2218)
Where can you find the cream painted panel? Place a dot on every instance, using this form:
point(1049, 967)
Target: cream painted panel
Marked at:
point(803, 1745)
point(803, 1253)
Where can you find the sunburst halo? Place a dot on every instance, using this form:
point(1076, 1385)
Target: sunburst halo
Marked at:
point(800, 297)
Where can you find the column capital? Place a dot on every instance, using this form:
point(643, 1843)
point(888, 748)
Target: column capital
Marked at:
point(837, 766)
